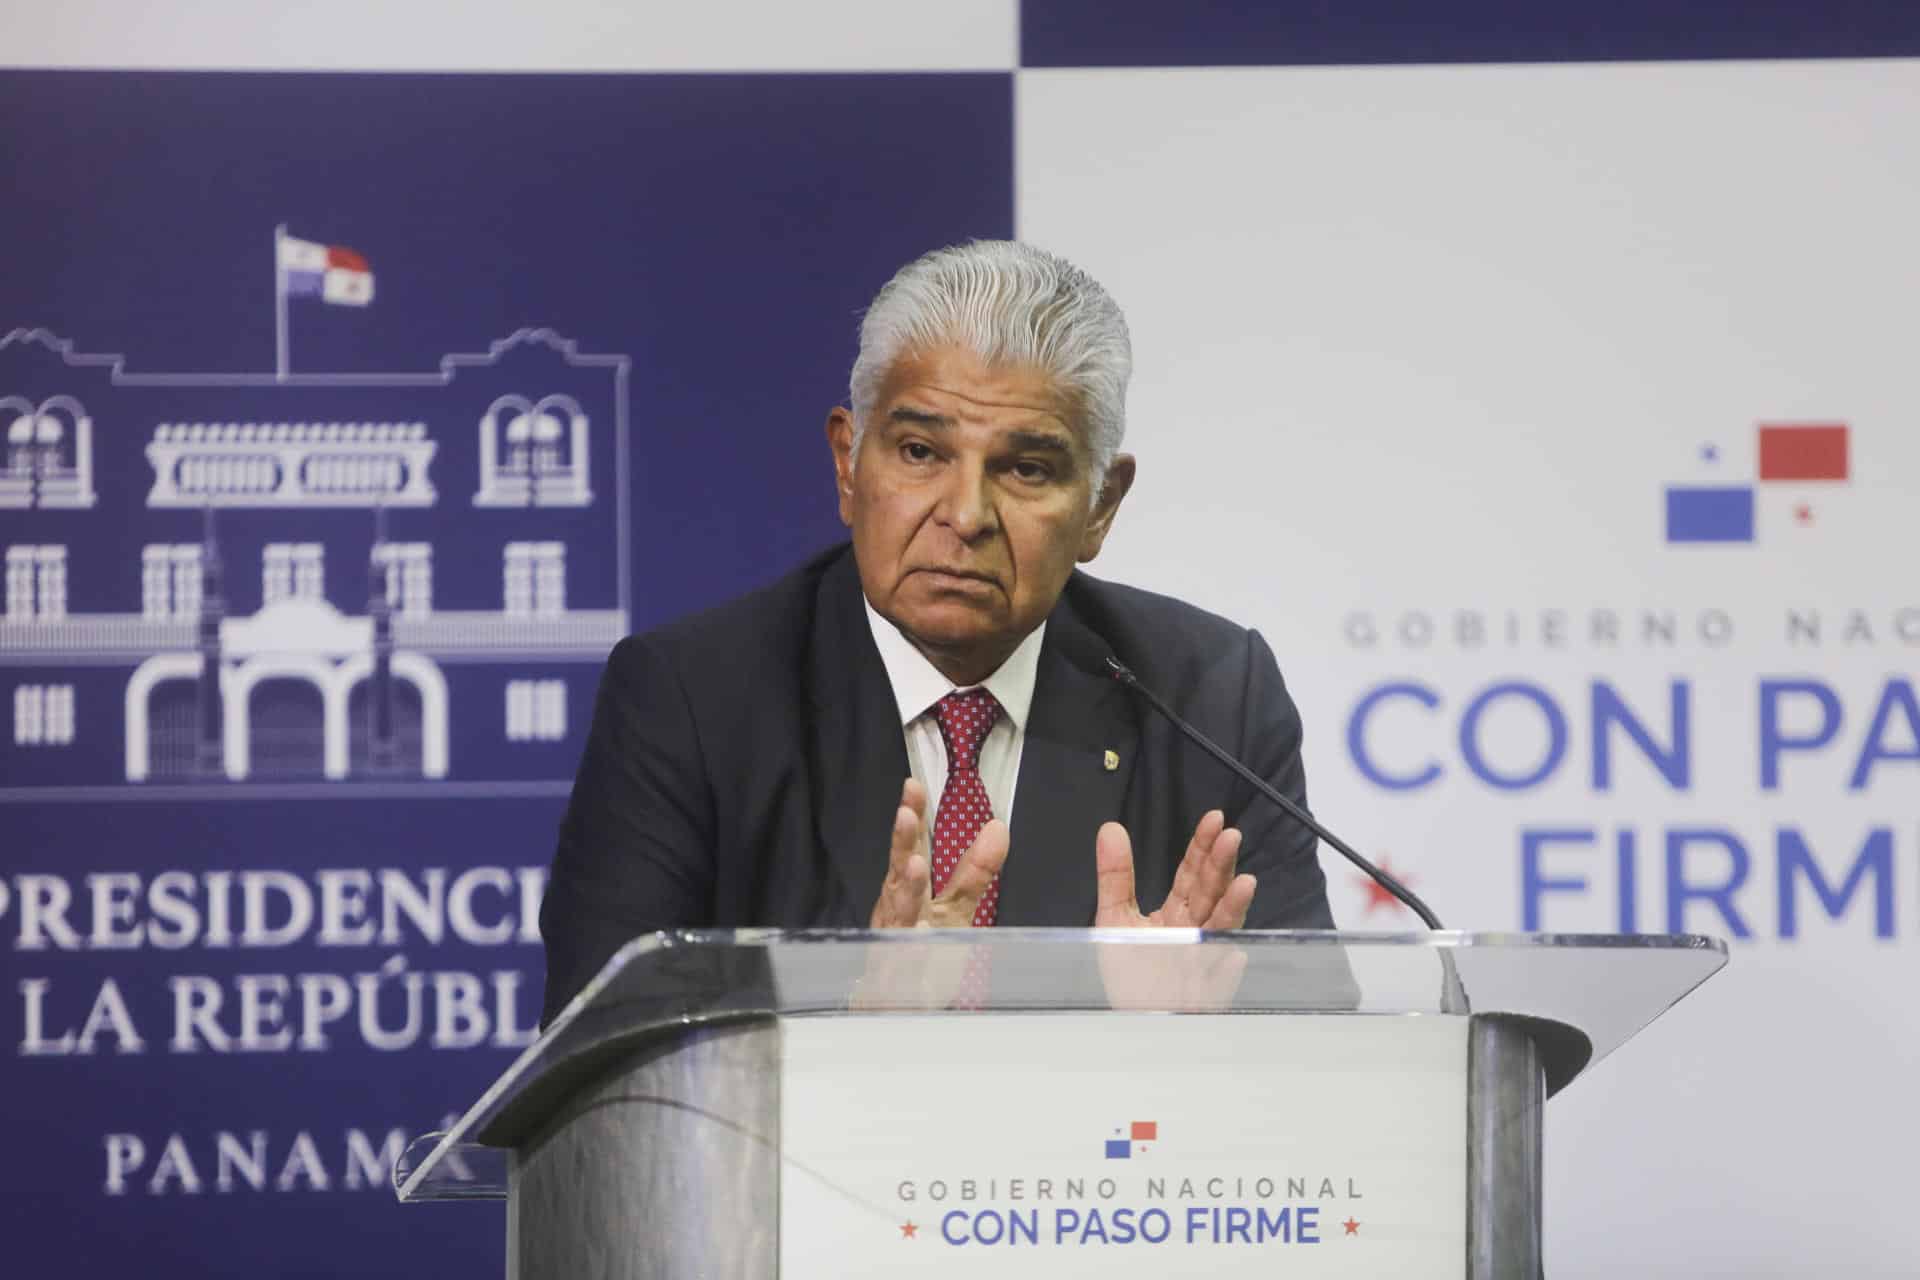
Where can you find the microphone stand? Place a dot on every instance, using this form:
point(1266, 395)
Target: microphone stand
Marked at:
point(1453, 995)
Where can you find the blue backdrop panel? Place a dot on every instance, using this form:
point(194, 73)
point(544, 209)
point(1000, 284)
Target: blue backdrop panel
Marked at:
point(609, 315)
point(64, 1109)
point(1153, 33)
point(722, 231)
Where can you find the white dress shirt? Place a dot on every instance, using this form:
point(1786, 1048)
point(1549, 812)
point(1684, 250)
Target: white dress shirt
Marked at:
point(918, 686)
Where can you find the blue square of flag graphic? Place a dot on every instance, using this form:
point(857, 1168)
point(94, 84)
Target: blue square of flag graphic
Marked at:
point(1710, 514)
point(1119, 1149)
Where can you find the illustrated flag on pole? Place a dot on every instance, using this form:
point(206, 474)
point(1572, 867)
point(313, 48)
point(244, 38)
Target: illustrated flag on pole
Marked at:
point(327, 272)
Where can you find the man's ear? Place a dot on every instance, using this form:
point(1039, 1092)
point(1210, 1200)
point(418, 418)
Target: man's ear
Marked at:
point(840, 440)
point(1119, 479)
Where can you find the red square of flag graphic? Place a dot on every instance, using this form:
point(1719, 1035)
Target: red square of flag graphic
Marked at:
point(1803, 451)
point(1145, 1130)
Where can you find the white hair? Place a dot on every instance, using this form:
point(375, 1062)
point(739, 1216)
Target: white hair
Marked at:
point(1008, 303)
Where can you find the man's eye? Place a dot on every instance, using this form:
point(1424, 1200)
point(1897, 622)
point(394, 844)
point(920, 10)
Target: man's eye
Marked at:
point(1033, 472)
point(916, 451)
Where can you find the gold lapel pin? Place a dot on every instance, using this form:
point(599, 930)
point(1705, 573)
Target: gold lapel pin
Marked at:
point(1112, 761)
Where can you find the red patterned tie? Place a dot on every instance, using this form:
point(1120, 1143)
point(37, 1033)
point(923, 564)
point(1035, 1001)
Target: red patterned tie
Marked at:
point(965, 720)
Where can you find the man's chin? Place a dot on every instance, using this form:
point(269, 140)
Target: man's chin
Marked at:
point(951, 628)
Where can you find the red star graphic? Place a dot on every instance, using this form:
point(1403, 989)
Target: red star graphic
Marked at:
point(1377, 895)
point(1803, 513)
point(907, 1229)
point(1353, 1228)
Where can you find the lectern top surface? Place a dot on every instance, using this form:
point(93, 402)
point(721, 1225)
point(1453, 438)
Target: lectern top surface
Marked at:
point(1582, 995)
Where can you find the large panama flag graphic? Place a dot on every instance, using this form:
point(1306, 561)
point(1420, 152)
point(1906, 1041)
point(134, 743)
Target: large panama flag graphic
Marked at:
point(1788, 453)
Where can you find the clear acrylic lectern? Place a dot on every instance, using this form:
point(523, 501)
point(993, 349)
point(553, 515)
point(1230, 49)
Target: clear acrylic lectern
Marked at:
point(1050, 1102)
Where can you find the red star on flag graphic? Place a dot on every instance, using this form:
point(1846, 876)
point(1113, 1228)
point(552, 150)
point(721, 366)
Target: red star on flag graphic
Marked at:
point(1377, 895)
point(907, 1229)
point(1353, 1228)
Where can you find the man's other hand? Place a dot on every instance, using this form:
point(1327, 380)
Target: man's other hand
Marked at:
point(906, 898)
point(1206, 893)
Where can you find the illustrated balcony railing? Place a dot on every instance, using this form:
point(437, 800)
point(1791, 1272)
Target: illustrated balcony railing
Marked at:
point(590, 632)
point(583, 632)
point(94, 634)
point(332, 464)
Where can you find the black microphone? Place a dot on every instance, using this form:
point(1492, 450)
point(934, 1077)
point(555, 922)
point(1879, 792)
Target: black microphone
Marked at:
point(1088, 653)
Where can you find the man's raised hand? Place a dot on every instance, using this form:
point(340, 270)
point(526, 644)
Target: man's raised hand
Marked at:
point(906, 898)
point(1206, 894)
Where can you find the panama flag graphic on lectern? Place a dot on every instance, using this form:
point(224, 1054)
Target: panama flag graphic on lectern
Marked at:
point(327, 272)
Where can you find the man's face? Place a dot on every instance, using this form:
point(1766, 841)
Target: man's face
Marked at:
point(970, 504)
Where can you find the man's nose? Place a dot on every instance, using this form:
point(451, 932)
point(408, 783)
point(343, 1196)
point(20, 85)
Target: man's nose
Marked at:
point(966, 506)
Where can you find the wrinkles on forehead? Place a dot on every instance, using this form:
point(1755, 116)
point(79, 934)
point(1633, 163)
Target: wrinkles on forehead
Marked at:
point(925, 390)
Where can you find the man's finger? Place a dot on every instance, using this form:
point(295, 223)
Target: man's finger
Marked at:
point(975, 872)
point(906, 894)
point(904, 891)
point(1215, 876)
point(1191, 872)
point(1231, 911)
point(1113, 861)
point(907, 820)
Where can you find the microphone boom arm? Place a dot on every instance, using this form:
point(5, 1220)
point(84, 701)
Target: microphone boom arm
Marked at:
point(1125, 676)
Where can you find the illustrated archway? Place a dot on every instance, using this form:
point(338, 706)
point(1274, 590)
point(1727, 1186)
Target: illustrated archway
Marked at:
point(420, 712)
point(286, 717)
point(304, 719)
point(156, 720)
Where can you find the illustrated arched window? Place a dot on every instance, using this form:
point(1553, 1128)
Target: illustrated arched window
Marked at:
point(16, 416)
point(49, 453)
point(534, 454)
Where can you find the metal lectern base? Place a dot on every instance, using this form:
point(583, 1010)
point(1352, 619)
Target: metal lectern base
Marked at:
point(582, 1205)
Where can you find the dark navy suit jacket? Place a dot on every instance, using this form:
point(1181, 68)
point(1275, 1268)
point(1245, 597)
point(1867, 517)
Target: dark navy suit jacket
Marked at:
point(745, 764)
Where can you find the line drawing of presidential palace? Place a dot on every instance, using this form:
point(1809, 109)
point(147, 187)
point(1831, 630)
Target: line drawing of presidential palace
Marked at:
point(217, 579)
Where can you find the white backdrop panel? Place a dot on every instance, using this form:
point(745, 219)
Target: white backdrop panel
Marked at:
point(1423, 348)
point(558, 35)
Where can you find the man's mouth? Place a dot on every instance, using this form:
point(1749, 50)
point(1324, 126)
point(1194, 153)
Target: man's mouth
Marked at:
point(968, 575)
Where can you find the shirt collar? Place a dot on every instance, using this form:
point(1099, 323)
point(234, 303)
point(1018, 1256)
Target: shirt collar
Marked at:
point(918, 684)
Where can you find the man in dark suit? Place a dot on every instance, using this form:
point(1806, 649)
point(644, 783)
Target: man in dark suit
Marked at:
point(775, 761)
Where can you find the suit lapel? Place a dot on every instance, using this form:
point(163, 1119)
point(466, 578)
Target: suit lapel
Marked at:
point(859, 751)
point(1065, 790)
